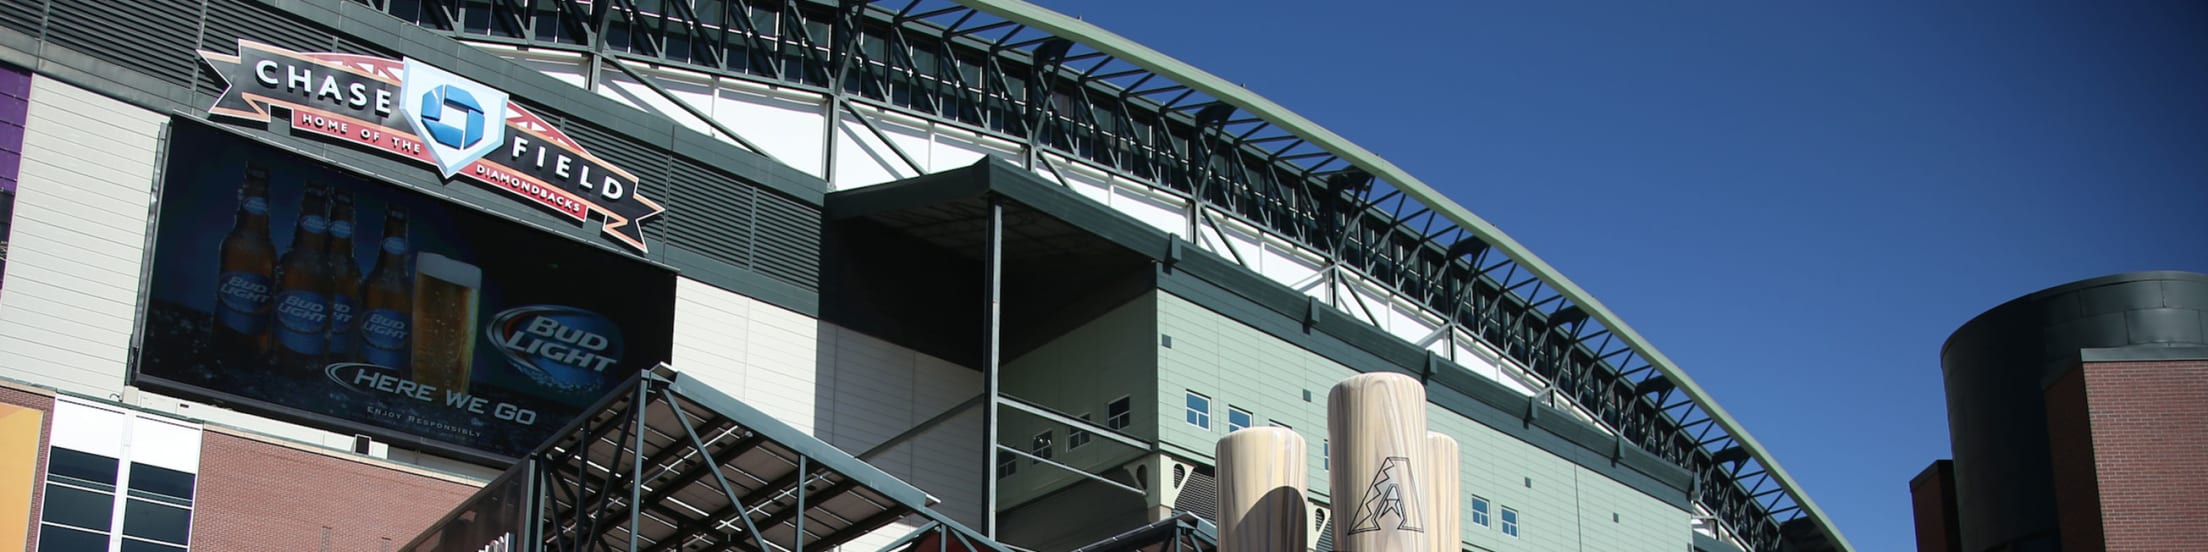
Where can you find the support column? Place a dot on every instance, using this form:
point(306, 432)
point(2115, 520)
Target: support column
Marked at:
point(993, 261)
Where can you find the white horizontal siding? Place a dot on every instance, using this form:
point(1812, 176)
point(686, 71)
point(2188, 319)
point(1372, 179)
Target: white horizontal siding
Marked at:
point(78, 240)
point(852, 390)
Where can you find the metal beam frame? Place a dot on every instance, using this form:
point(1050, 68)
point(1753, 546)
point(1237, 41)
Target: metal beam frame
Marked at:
point(1066, 87)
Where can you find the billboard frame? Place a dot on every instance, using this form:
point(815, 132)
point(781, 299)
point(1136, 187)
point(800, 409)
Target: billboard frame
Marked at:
point(276, 137)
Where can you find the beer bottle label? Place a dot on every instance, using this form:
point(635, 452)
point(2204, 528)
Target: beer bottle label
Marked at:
point(314, 224)
point(256, 205)
point(341, 324)
point(243, 302)
point(383, 338)
point(341, 229)
point(300, 318)
point(395, 246)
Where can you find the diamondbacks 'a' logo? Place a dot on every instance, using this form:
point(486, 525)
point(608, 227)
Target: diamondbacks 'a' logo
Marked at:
point(459, 119)
point(1391, 501)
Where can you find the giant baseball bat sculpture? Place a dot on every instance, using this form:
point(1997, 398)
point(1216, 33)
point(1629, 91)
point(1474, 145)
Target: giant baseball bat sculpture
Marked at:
point(1261, 504)
point(1377, 423)
point(1395, 485)
point(1443, 486)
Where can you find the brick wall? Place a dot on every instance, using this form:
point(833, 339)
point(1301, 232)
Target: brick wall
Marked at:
point(256, 496)
point(2070, 449)
point(42, 403)
point(2145, 424)
point(1932, 501)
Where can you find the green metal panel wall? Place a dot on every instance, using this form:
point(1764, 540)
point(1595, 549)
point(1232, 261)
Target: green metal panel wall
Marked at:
point(1237, 366)
point(1640, 522)
point(1079, 373)
point(1566, 506)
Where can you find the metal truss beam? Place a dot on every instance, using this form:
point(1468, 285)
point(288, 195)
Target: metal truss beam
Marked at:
point(1388, 232)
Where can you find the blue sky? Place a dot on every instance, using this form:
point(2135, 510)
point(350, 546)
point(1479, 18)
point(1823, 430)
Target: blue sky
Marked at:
point(1797, 203)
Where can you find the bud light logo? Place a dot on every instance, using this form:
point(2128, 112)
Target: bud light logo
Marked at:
point(301, 318)
point(564, 348)
point(460, 120)
point(244, 301)
point(383, 338)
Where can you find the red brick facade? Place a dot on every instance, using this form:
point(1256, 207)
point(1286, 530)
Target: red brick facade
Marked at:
point(256, 496)
point(1932, 500)
point(2130, 443)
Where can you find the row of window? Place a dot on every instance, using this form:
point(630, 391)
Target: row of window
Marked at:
point(1199, 414)
point(1480, 516)
point(115, 482)
point(1118, 414)
point(81, 495)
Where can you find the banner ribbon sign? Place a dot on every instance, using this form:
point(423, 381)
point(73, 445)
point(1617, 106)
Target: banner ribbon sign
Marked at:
point(413, 110)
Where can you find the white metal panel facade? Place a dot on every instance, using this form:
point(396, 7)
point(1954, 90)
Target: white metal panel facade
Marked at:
point(852, 390)
point(78, 239)
point(785, 123)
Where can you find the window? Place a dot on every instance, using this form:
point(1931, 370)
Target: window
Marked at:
point(158, 510)
point(80, 500)
point(1007, 465)
point(1077, 435)
point(1276, 423)
point(80, 504)
point(1118, 414)
point(96, 496)
point(1479, 511)
point(1510, 522)
point(1040, 447)
point(1237, 419)
point(1326, 454)
point(1199, 410)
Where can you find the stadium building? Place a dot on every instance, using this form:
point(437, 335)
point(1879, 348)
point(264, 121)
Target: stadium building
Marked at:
point(697, 274)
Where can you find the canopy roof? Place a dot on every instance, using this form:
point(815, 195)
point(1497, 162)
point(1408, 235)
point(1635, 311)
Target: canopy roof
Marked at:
point(710, 473)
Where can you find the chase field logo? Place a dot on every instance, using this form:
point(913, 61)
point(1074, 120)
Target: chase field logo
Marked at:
point(459, 118)
point(413, 110)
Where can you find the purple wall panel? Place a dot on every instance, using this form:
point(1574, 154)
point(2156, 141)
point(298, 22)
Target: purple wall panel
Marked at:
point(15, 102)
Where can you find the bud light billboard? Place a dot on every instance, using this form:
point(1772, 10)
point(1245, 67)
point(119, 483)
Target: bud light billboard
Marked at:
point(293, 288)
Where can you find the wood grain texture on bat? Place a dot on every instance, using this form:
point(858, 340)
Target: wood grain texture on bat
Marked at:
point(1377, 423)
point(1444, 493)
point(1261, 496)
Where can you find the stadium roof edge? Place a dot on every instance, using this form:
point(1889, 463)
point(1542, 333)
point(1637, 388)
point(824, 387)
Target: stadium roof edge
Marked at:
point(1128, 50)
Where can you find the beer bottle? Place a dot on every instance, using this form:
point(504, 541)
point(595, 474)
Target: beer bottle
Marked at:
point(242, 283)
point(387, 299)
point(344, 277)
point(303, 291)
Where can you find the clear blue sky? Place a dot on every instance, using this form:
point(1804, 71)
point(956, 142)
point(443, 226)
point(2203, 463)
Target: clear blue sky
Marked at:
point(1798, 203)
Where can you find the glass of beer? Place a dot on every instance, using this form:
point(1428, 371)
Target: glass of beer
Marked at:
point(444, 321)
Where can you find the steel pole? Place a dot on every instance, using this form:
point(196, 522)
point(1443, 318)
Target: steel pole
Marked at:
point(994, 259)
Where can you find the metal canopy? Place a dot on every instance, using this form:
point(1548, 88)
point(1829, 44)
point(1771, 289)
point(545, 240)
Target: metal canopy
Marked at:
point(1062, 88)
point(711, 474)
point(1184, 532)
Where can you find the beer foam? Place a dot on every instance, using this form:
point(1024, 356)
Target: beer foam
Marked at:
point(444, 268)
